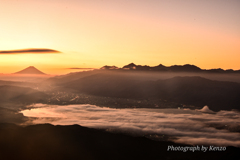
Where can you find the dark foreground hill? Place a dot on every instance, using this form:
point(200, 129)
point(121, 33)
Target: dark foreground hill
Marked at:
point(195, 91)
point(48, 142)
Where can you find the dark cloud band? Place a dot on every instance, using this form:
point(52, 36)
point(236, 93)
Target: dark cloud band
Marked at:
point(32, 50)
point(80, 68)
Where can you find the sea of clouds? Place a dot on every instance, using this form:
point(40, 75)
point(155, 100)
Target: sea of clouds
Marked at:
point(194, 127)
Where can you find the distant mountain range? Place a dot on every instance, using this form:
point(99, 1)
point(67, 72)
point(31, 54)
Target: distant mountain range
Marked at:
point(183, 90)
point(174, 68)
point(30, 70)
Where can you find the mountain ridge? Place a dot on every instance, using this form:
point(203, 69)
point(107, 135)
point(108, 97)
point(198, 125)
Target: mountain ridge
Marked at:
point(173, 68)
point(196, 91)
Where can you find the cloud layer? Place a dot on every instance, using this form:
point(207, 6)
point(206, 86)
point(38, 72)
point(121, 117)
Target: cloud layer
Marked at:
point(187, 126)
point(32, 50)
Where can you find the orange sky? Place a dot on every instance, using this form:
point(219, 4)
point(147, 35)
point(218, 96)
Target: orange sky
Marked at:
point(117, 32)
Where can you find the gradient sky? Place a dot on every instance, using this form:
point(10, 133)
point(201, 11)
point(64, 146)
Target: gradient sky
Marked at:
point(93, 33)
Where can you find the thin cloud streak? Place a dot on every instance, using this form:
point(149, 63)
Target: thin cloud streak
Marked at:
point(30, 51)
point(80, 68)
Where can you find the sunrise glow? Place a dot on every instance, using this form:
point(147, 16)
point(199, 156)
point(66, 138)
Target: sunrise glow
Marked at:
point(91, 34)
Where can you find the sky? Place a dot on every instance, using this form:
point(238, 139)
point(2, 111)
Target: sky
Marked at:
point(91, 34)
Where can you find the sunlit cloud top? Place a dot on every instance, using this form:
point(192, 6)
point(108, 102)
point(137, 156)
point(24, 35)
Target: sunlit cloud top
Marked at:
point(188, 126)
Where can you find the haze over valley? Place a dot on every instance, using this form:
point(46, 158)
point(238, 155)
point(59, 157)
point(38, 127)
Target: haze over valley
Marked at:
point(184, 93)
point(184, 107)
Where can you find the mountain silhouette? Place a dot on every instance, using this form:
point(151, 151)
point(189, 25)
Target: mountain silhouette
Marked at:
point(30, 70)
point(173, 68)
point(130, 66)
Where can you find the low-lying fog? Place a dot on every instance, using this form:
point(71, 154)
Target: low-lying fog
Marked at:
point(188, 126)
point(148, 75)
point(24, 77)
